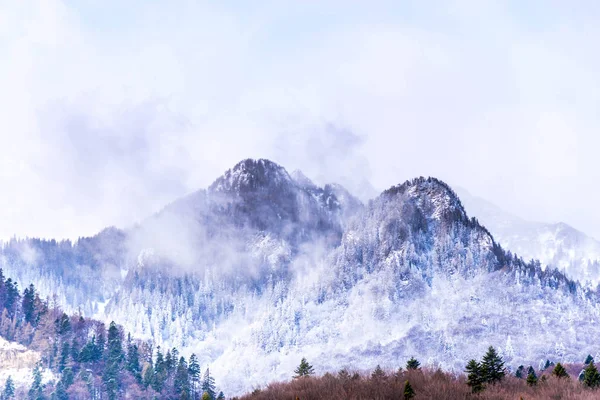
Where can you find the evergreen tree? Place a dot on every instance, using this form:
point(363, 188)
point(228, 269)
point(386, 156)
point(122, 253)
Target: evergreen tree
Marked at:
point(63, 324)
point(413, 364)
point(181, 381)
point(492, 367)
point(28, 305)
point(64, 356)
point(221, 396)
point(591, 377)
point(148, 379)
point(114, 359)
point(208, 385)
point(532, 378)
point(519, 373)
point(9, 389)
point(409, 393)
point(194, 374)
point(548, 364)
point(589, 359)
point(36, 391)
point(133, 361)
point(304, 369)
point(560, 371)
point(160, 372)
point(474, 378)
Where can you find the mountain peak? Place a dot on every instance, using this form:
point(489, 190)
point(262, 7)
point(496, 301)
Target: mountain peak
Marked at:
point(250, 175)
point(433, 196)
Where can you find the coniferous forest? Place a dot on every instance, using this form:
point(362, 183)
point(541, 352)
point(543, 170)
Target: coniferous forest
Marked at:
point(83, 359)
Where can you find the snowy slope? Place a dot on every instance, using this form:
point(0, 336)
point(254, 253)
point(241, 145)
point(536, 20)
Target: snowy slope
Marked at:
point(263, 268)
point(556, 244)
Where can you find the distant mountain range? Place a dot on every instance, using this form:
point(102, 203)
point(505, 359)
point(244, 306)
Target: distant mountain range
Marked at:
point(264, 267)
point(554, 244)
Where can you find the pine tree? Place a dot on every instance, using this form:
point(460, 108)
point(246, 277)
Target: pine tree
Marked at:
point(409, 393)
point(548, 364)
point(64, 356)
point(9, 389)
point(519, 373)
point(181, 380)
point(160, 372)
point(591, 377)
point(208, 385)
point(36, 391)
point(492, 367)
point(304, 369)
point(474, 378)
point(560, 371)
point(412, 364)
point(28, 305)
point(133, 361)
point(221, 396)
point(532, 378)
point(194, 374)
point(114, 360)
point(589, 359)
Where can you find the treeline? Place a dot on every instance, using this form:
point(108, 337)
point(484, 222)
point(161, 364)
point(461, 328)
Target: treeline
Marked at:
point(485, 379)
point(91, 361)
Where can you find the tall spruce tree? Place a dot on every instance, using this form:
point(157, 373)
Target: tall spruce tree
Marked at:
point(181, 382)
point(208, 384)
point(474, 378)
point(304, 369)
point(492, 367)
point(114, 361)
point(194, 374)
point(519, 372)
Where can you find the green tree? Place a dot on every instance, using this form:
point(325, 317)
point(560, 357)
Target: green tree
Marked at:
point(221, 396)
point(492, 367)
point(114, 361)
point(474, 378)
point(589, 359)
point(560, 371)
point(160, 372)
point(304, 369)
point(36, 391)
point(194, 374)
point(409, 392)
point(206, 396)
point(181, 380)
point(9, 389)
point(532, 378)
point(413, 364)
point(548, 364)
point(28, 305)
point(133, 361)
point(208, 385)
point(591, 377)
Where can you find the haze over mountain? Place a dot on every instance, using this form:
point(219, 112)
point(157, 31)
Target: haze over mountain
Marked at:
point(555, 244)
point(263, 267)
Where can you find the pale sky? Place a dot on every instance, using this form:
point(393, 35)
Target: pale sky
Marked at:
point(111, 109)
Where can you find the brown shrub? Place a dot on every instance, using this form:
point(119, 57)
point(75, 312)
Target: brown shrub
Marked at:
point(427, 384)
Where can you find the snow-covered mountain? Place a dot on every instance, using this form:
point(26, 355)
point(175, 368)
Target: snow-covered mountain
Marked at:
point(555, 244)
point(264, 267)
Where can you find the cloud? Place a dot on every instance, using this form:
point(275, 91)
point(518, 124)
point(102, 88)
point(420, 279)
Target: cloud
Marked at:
point(111, 109)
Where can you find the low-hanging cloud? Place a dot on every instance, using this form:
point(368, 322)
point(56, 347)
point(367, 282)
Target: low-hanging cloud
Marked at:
point(108, 113)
